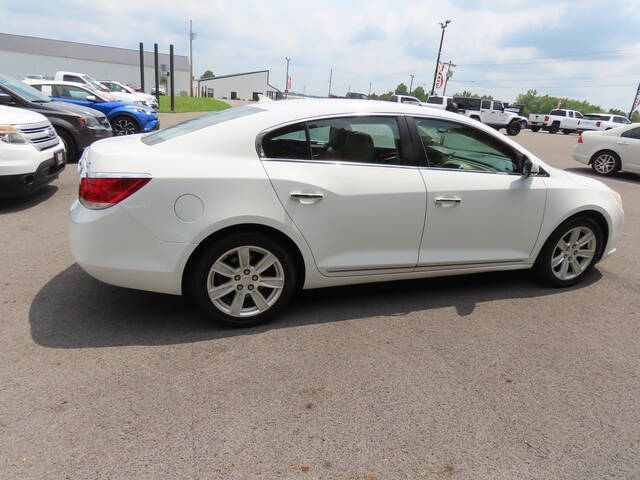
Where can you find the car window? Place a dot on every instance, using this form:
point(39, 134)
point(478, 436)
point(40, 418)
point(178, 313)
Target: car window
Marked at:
point(410, 100)
point(288, 142)
point(436, 100)
point(393, 98)
point(618, 120)
point(497, 106)
point(199, 123)
point(452, 145)
point(578, 115)
point(558, 113)
point(486, 104)
point(23, 90)
point(71, 78)
point(593, 116)
point(356, 139)
point(570, 114)
point(632, 133)
point(68, 91)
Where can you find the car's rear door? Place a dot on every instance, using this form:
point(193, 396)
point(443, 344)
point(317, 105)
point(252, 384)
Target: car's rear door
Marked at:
point(349, 187)
point(480, 210)
point(629, 147)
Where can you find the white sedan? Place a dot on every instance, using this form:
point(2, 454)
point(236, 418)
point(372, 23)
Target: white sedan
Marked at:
point(610, 151)
point(241, 208)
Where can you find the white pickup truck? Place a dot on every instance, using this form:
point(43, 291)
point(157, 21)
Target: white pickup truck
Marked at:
point(31, 153)
point(601, 121)
point(490, 112)
point(556, 120)
point(405, 99)
point(439, 102)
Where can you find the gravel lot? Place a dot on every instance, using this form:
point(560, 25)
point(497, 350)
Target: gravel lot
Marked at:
point(481, 377)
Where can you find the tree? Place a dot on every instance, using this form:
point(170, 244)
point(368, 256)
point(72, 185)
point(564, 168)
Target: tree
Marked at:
point(635, 118)
point(402, 89)
point(420, 94)
point(207, 74)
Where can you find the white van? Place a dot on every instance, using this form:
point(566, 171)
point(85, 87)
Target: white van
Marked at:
point(31, 153)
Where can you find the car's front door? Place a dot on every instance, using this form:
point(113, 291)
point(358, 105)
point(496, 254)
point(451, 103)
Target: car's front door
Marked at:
point(500, 116)
point(486, 114)
point(629, 147)
point(347, 186)
point(480, 210)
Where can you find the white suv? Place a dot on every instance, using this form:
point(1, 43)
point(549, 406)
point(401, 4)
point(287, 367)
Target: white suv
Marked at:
point(31, 153)
point(492, 113)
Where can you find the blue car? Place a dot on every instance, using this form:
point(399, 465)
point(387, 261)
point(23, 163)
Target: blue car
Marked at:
point(125, 118)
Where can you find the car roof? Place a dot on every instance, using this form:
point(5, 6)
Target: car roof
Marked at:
point(58, 82)
point(338, 106)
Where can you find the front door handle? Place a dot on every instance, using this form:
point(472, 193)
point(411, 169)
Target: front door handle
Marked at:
point(306, 198)
point(447, 200)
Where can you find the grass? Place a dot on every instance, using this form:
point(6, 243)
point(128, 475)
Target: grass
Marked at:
point(191, 104)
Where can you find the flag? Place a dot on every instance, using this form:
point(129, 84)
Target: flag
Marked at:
point(288, 86)
point(441, 76)
point(559, 105)
point(636, 102)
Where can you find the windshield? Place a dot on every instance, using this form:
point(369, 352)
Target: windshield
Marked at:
point(94, 83)
point(199, 123)
point(25, 91)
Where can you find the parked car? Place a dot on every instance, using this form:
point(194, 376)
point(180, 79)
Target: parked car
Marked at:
point(443, 103)
point(357, 96)
point(117, 87)
point(125, 118)
point(161, 90)
point(492, 113)
point(277, 196)
point(537, 121)
point(610, 151)
point(78, 127)
point(405, 99)
point(93, 84)
point(562, 119)
point(601, 121)
point(31, 154)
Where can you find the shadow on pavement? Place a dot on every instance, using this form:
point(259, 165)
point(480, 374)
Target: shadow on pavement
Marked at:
point(621, 176)
point(18, 204)
point(75, 311)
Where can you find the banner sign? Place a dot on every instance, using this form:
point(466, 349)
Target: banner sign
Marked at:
point(440, 78)
point(636, 102)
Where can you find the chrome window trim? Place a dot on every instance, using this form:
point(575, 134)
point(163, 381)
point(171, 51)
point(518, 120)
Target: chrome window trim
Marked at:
point(337, 162)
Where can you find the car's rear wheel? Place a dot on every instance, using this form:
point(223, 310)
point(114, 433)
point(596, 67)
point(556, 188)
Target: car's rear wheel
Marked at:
point(514, 128)
point(605, 163)
point(570, 252)
point(554, 128)
point(124, 125)
point(243, 280)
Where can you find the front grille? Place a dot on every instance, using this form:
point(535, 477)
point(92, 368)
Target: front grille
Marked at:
point(42, 134)
point(105, 123)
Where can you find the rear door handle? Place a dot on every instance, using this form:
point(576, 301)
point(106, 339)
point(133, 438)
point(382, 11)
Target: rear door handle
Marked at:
point(306, 198)
point(447, 200)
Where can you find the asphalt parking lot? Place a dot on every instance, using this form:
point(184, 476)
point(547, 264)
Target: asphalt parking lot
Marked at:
point(480, 377)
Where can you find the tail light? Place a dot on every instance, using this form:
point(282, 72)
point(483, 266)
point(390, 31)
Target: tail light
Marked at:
point(546, 118)
point(580, 138)
point(597, 123)
point(99, 193)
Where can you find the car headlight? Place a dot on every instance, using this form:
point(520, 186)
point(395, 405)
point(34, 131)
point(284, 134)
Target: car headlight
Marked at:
point(9, 134)
point(138, 109)
point(617, 196)
point(92, 122)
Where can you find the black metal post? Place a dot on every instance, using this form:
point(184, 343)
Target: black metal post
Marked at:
point(141, 66)
point(435, 74)
point(155, 68)
point(171, 74)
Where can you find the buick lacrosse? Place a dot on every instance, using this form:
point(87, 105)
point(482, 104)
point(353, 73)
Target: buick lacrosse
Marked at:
point(241, 208)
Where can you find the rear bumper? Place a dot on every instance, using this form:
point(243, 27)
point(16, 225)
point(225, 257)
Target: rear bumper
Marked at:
point(113, 248)
point(27, 183)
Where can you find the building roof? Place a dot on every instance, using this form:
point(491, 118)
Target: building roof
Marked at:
point(85, 51)
point(207, 79)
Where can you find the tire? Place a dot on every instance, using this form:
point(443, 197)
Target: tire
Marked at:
point(554, 127)
point(475, 117)
point(606, 163)
point(69, 145)
point(566, 132)
point(514, 128)
point(576, 260)
point(535, 129)
point(124, 125)
point(231, 285)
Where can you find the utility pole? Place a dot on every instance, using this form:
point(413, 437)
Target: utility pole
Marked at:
point(142, 66)
point(443, 26)
point(171, 76)
point(192, 36)
point(155, 68)
point(330, 79)
point(369, 90)
point(411, 84)
point(449, 75)
point(286, 79)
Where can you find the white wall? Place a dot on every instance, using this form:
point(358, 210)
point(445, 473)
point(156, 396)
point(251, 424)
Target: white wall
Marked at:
point(19, 65)
point(243, 85)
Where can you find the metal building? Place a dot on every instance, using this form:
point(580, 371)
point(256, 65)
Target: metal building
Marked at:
point(23, 55)
point(240, 86)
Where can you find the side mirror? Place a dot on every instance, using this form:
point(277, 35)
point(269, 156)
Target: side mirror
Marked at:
point(529, 169)
point(91, 98)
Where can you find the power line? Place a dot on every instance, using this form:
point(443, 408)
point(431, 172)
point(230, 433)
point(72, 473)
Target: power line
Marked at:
point(553, 59)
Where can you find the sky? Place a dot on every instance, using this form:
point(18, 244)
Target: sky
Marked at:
point(588, 49)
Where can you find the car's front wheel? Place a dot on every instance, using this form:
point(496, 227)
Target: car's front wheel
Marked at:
point(124, 125)
point(605, 163)
point(243, 280)
point(570, 252)
point(514, 128)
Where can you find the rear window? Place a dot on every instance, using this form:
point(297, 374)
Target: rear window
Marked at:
point(558, 113)
point(590, 116)
point(199, 123)
point(437, 100)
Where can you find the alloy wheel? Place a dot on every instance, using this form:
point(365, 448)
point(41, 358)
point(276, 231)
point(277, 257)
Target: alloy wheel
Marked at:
point(245, 281)
point(124, 126)
point(604, 163)
point(573, 253)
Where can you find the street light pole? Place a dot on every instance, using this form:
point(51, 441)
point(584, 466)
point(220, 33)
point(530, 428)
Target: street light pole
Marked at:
point(286, 80)
point(192, 35)
point(435, 74)
point(369, 90)
point(411, 84)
